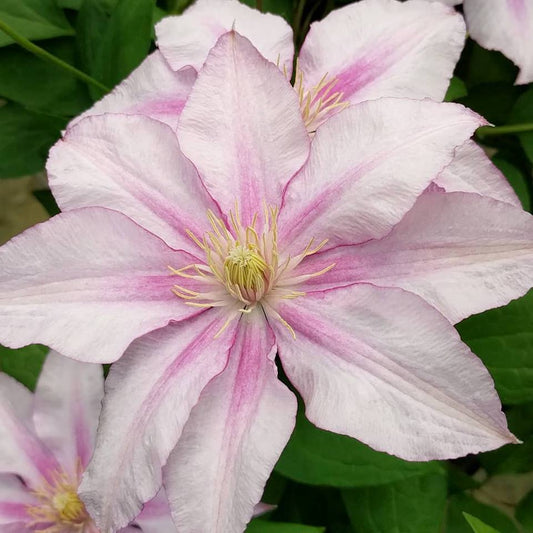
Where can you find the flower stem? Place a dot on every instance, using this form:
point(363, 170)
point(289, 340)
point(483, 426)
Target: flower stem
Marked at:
point(46, 56)
point(504, 130)
point(259, 5)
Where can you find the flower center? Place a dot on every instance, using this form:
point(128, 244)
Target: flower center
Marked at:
point(69, 507)
point(59, 505)
point(243, 266)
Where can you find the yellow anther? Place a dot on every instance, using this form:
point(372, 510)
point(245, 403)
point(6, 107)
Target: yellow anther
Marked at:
point(69, 507)
point(245, 267)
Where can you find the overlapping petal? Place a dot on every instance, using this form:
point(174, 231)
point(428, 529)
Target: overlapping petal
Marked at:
point(14, 499)
point(152, 89)
point(149, 395)
point(21, 452)
point(87, 283)
point(377, 48)
point(155, 516)
point(386, 368)
point(367, 166)
point(187, 39)
point(134, 165)
point(68, 399)
point(506, 26)
point(233, 438)
point(242, 127)
point(472, 171)
point(461, 252)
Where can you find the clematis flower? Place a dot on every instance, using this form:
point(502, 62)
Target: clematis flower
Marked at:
point(503, 25)
point(363, 51)
point(192, 260)
point(46, 441)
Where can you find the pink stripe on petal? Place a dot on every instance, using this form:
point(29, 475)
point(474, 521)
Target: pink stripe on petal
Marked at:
point(134, 165)
point(244, 417)
point(152, 89)
point(383, 366)
point(86, 283)
point(14, 498)
point(247, 138)
point(21, 452)
point(149, 395)
point(384, 48)
point(67, 405)
point(360, 179)
point(461, 252)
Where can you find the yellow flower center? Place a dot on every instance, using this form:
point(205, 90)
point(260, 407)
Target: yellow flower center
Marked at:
point(68, 506)
point(243, 266)
point(59, 505)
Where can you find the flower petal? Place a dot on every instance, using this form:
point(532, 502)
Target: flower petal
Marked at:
point(377, 48)
point(216, 474)
point(14, 499)
point(21, 452)
point(472, 171)
point(506, 26)
point(152, 89)
point(155, 516)
point(461, 252)
point(368, 164)
point(242, 127)
point(149, 395)
point(68, 399)
point(383, 366)
point(86, 283)
point(186, 40)
point(134, 165)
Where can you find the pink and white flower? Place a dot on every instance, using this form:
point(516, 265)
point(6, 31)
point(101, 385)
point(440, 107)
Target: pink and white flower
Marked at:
point(503, 25)
point(363, 51)
point(46, 442)
point(193, 260)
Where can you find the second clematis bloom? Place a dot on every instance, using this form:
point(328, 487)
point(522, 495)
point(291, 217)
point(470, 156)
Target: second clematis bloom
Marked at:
point(46, 441)
point(193, 260)
point(503, 25)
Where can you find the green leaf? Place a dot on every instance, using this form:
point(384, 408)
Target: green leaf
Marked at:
point(91, 24)
point(69, 4)
point(523, 112)
point(284, 8)
point(503, 339)
point(517, 180)
point(114, 37)
point(477, 525)
point(41, 86)
point(494, 101)
point(47, 200)
point(513, 459)
point(23, 364)
point(25, 138)
point(457, 89)
point(262, 526)
point(409, 506)
point(319, 457)
point(34, 19)
point(487, 66)
point(524, 512)
point(461, 503)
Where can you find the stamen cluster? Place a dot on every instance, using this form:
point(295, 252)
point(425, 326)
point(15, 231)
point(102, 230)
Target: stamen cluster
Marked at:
point(243, 265)
point(59, 506)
